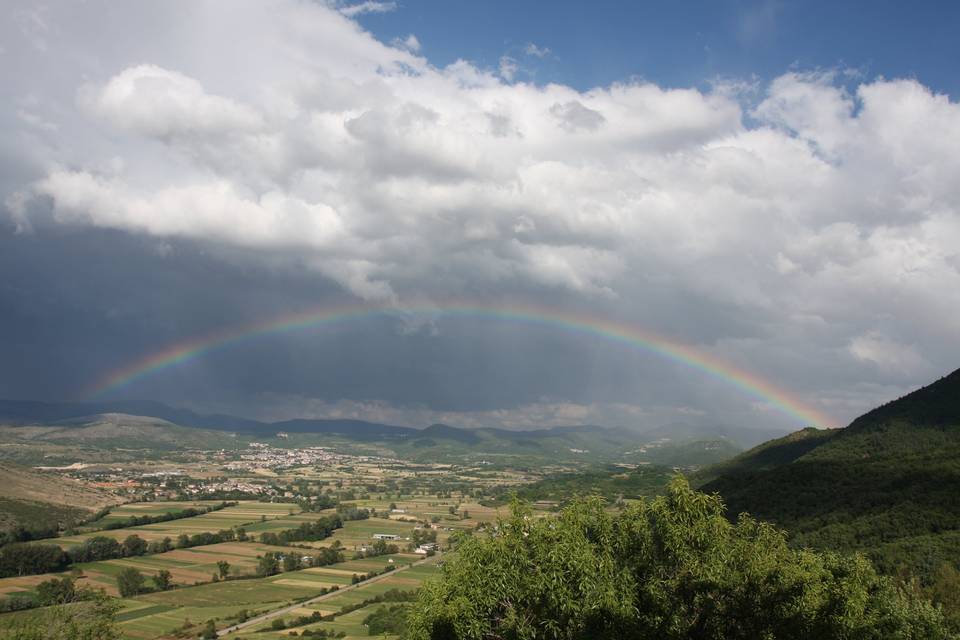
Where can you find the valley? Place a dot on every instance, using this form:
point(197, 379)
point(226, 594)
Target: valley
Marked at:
point(213, 536)
point(325, 532)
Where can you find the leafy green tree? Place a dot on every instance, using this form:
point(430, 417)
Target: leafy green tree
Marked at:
point(209, 631)
point(134, 545)
point(130, 582)
point(945, 591)
point(268, 564)
point(163, 580)
point(223, 568)
point(25, 558)
point(56, 591)
point(291, 562)
point(97, 548)
point(91, 620)
point(387, 620)
point(671, 569)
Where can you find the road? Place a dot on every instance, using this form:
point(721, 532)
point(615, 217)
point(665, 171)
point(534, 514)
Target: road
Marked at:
point(285, 610)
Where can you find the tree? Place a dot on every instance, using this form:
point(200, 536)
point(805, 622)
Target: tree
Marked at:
point(387, 620)
point(25, 558)
point(130, 582)
point(268, 564)
point(91, 620)
point(163, 580)
point(291, 562)
point(945, 591)
point(134, 545)
point(56, 591)
point(223, 568)
point(97, 548)
point(671, 569)
point(209, 631)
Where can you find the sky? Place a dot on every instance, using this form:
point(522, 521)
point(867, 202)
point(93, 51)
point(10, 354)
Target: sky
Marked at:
point(762, 196)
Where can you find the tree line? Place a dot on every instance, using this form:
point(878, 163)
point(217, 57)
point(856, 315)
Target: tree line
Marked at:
point(319, 529)
point(24, 558)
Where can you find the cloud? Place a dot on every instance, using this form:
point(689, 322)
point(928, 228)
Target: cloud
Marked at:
point(573, 116)
point(535, 51)
point(887, 353)
point(410, 43)
point(369, 6)
point(508, 68)
point(156, 102)
point(279, 406)
point(778, 229)
point(198, 210)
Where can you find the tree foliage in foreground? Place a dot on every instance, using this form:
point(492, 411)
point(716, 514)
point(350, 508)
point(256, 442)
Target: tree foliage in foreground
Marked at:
point(671, 569)
point(93, 619)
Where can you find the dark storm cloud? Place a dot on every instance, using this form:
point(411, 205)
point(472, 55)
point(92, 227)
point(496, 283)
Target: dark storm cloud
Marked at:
point(78, 303)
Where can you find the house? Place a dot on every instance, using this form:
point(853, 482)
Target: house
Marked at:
point(427, 547)
point(385, 536)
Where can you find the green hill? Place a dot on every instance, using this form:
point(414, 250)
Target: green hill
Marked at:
point(769, 455)
point(888, 485)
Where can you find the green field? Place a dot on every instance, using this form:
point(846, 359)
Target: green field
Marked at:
point(155, 614)
point(245, 514)
point(349, 623)
point(138, 509)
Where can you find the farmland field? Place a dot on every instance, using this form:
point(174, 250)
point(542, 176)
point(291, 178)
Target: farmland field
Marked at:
point(241, 515)
point(154, 614)
point(350, 623)
point(122, 512)
point(415, 503)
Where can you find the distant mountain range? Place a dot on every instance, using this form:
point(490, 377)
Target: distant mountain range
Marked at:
point(132, 421)
point(888, 484)
point(30, 411)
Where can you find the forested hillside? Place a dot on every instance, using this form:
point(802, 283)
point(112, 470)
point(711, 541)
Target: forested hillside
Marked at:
point(888, 485)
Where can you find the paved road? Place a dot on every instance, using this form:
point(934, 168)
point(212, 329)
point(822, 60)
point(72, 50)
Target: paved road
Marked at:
point(294, 607)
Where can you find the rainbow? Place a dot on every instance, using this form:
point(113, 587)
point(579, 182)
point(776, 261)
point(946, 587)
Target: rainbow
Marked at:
point(633, 336)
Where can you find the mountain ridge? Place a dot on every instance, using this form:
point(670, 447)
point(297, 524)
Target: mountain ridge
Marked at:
point(28, 411)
